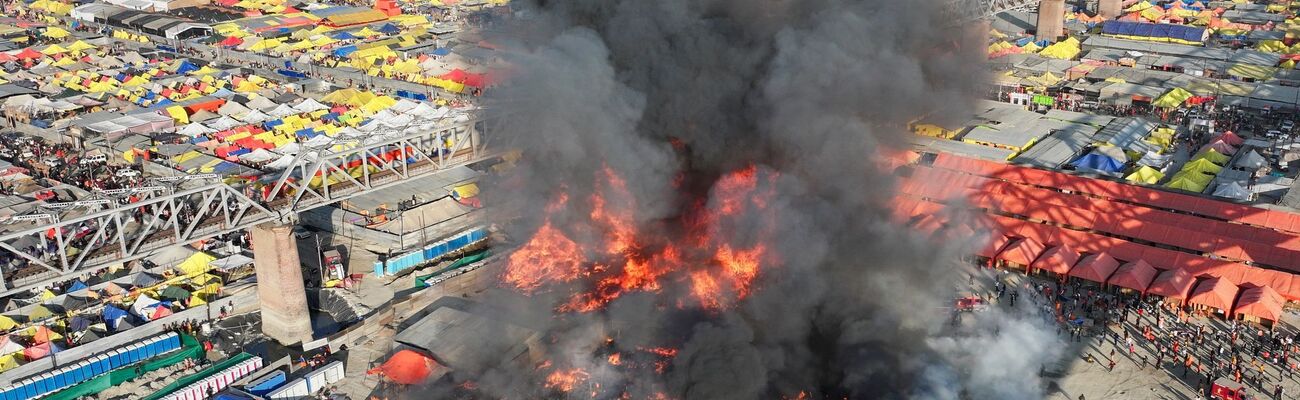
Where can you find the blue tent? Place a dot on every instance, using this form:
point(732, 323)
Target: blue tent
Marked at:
point(343, 36)
point(76, 285)
point(345, 50)
point(441, 51)
point(1098, 162)
point(185, 67)
point(78, 324)
point(389, 28)
point(112, 315)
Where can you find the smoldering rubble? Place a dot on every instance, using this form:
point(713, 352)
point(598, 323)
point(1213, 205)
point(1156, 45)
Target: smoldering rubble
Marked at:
point(672, 94)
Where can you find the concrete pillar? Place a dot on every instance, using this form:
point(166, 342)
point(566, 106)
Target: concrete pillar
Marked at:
point(279, 284)
point(1051, 19)
point(1110, 9)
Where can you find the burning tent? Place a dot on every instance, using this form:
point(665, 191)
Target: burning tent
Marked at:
point(408, 367)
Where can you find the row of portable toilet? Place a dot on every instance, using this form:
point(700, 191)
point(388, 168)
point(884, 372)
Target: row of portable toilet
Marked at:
point(74, 373)
point(202, 389)
point(311, 383)
point(431, 252)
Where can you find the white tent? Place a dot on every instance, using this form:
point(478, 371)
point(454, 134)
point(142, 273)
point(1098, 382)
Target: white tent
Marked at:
point(224, 123)
point(401, 106)
point(283, 111)
point(233, 109)
point(1251, 160)
point(142, 302)
point(310, 105)
point(260, 103)
point(254, 117)
point(1232, 190)
point(1155, 160)
point(257, 156)
point(193, 130)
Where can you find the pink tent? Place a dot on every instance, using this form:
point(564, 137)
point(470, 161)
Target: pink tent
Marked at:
point(40, 351)
point(1221, 147)
point(1229, 138)
point(1095, 267)
point(1136, 275)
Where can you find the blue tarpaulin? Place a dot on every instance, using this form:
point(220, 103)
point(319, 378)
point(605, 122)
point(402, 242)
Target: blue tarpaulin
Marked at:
point(1098, 162)
point(389, 28)
point(186, 67)
point(1157, 31)
point(76, 285)
point(112, 315)
point(345, 50)
point(291, 74)
point(343, 36)
point(441, 51)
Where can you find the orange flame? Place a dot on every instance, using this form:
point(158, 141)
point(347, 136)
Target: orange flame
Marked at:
point(548, 255)
point(615, 359)
point(719, 272)
point(566, 380)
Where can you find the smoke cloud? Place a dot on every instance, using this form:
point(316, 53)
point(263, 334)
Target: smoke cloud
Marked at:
point(670, 95)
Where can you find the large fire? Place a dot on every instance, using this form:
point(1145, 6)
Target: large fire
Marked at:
point(626, 259)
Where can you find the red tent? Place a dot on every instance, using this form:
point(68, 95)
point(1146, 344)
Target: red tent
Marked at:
point(1022, 252)
point(1095, 267)
point(40, 351)
point(456, 75)
point(1136, 275)
point(1214, 292)
point(231, 41)
point(6, 57)
point(28, 54)
point(1058, 259)
point(407, 367)
point(996, 242)
point(1260, 301)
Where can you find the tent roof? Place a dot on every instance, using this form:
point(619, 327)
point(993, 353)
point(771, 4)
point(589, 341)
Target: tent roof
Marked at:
point(408, 367)
point(1058, 259)
point(1135, 275)
point(1251, 159)
point(1214, 292)
point(1095, 267)
point(1232, 190)
point(1023, 251)
point(1260, 301)
point(995, 243)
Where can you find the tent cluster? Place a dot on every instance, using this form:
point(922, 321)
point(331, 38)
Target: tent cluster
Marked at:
point(1102, 240)
point(115, 302)
point(242, 136)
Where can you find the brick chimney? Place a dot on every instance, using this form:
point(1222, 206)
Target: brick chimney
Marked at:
point(1051, 19)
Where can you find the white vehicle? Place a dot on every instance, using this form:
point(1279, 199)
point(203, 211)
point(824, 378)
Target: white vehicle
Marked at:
point(93, 159)
point(52, 162)
point(127, 173)
point(1288, 125)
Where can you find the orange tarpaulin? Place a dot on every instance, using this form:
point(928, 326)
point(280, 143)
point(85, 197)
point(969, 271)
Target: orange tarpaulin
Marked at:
point(1022, 252)
point(1260, 301)
point(406, 367)
point(1215, 292)
point(995, 243)
point(1058, 259)
point(1095, 267)
point(1136, 275)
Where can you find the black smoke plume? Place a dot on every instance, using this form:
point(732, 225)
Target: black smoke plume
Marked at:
point(810, 91)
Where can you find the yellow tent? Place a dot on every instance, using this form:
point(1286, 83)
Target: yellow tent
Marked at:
point(1145, 175)
point(1183, 182)
point(55, 32)
point(178, 113)
point(10, 361)
point(196, 264)
point(366, 32)
point(80, 46)
point(7, 323)
point(1213, 156)
point(1256, 72)
point(1172, 99)
point(1202, 166)
point(466, 191)
point(265, 45)
point(54, 49)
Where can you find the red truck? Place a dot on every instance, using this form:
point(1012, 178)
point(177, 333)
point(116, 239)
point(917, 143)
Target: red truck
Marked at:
point(1228, 389)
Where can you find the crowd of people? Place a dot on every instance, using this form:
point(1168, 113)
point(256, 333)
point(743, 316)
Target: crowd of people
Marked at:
point(1196, 346)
